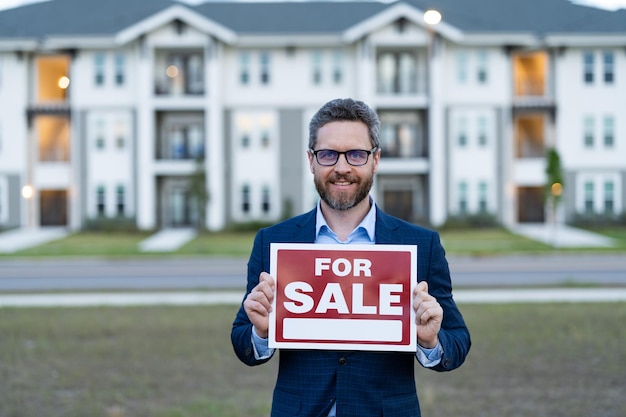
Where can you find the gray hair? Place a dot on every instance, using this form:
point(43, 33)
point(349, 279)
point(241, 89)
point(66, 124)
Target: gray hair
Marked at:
point(345, 109)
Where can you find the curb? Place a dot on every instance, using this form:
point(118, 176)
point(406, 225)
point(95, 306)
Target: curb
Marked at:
point(550, 295)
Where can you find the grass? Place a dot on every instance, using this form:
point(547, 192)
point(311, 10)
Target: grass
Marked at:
point(494, 241)
point(526, 360)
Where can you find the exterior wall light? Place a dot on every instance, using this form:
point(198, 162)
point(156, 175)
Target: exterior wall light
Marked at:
point(432, 17)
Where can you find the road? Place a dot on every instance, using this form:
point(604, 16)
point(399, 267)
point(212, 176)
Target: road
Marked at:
point(202, 274)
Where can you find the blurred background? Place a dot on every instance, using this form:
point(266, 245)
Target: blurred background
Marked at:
point(143, 143)
point(157, 114)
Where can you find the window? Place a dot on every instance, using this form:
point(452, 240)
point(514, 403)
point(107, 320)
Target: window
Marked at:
point(316, 59)
point(338, 67)
point(120, 197)
point(482, 131)
point(482, 197)
point(265, 68)
point(100, 132)
point(462, 201)
point(402, 134)
point(265, 139)
point(462, 132)
point(120, 134)
point(244, 68)
point(482, 74)
point(101, 200)
point(397, 72)
point(609, 67)
point(588, 197)
point(609, 203)
point(588, 128)
point(461, 67)
point(609, 131)
point(120, 69)
point(245, 140)
point(588, 63)
point(245, 199)
point(99, 62)
point(265, 205)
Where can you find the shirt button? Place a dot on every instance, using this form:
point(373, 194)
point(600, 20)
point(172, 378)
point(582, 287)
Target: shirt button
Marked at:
point(342, 361)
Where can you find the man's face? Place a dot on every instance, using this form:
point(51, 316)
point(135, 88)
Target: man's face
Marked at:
point(343, 186)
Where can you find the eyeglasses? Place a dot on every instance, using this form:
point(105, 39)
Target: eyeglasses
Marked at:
point(354, 157)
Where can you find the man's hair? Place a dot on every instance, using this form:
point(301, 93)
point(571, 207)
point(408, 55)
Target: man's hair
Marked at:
point(345, 109)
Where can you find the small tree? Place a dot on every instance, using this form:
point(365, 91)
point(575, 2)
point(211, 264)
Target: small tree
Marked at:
point(554, 181)
point(198, 192)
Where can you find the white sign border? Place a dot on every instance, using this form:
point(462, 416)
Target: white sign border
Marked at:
point(273, 343)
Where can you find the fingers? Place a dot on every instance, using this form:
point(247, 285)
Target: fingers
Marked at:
point(258, 304)
point(425, 305)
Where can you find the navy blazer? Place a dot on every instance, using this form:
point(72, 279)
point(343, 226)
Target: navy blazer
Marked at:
point(362, 383)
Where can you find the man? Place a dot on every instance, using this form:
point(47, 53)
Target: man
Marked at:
point(343, 156)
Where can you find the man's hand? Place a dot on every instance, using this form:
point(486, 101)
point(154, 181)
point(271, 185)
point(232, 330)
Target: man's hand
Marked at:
point(428, 316)
point(258, 304)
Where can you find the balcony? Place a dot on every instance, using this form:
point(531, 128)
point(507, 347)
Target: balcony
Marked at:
point(179, 73)
point(180, 136)
point(401, 73)
point(531, 87)
point(403, 135)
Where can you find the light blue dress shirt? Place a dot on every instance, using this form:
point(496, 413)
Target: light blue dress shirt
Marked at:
point(363, 234)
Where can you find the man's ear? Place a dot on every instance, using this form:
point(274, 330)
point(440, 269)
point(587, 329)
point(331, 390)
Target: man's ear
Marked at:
point(376, 156)
point(311, 157)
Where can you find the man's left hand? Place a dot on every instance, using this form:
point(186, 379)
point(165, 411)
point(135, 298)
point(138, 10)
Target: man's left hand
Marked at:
point(428, 316)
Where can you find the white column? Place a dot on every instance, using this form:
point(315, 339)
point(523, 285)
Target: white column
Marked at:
point(436, 121)
point(146, 203)
point(215, 152)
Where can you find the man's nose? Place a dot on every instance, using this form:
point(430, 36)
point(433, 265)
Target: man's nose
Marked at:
point(342, 163)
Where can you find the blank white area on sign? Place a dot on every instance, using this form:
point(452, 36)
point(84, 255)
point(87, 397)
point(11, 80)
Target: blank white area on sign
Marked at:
point(348, 330)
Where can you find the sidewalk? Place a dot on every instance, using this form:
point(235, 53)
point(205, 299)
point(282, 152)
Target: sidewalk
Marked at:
point(562, 236)
point(546, 295)
point(166, 240)
point(26, 237)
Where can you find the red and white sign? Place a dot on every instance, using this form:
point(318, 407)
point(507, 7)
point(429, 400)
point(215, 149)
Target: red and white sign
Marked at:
point(353, 297)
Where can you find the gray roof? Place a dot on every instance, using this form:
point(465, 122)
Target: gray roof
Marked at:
point(76, 17)
point(290, 17)
point(107, 17)
point(536, 16)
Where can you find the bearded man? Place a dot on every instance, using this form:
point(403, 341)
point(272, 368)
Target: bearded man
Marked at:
point(344, 153)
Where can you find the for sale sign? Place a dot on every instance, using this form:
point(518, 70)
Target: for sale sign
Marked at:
point(354, 297)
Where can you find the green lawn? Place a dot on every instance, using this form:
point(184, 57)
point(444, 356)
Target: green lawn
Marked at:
point(526, 360)
point(456, 242)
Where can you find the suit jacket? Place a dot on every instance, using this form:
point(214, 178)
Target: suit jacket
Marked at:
point(362, 383)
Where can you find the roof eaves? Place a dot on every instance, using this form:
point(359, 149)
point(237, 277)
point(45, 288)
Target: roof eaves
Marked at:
point(14, 44)
point(586, 39)
point(182, 13)
point(289, 40)
point(525, 39)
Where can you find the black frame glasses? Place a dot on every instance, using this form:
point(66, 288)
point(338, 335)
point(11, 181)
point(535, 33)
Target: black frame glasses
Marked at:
point(354, 157)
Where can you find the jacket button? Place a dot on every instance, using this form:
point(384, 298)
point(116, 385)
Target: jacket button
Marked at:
point(446, 363)
point(342, 361)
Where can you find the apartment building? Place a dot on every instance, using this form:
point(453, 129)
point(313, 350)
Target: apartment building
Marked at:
point(122, 109)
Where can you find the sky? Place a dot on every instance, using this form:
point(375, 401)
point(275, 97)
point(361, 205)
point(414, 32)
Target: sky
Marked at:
point(604, 4)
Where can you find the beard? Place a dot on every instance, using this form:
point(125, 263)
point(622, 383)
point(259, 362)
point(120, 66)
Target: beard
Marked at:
point(344, 200)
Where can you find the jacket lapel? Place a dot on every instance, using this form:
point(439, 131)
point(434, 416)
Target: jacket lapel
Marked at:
point(386, 229)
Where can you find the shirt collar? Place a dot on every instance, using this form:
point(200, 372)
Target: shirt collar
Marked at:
point(368, 223)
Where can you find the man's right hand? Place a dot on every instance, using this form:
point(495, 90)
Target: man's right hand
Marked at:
point(258, 304)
